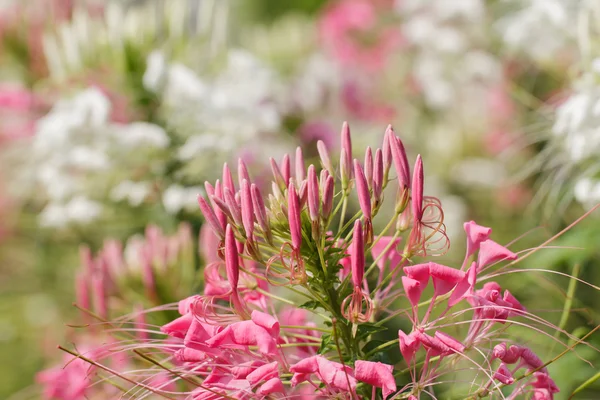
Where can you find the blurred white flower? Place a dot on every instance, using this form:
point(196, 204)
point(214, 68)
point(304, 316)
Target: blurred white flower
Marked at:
point(78, 210)
point(540, 28)
point(177, 198)
point(134, 192)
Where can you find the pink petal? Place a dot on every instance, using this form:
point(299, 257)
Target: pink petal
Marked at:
point(306, 366)
point(336, 375)
point(508, 297)
point(444, 278)
point(266, 321)
point(450, 342)
point(413, 290)
point(408, 345)
point(419, 272)
point(392, 255)
point(464, 287)
point(504, 375)
point(242, 334)
point(263, 373)
point(491, 252)
point(273, 385)
point(476, 234)
point(376, 374)
point(178, 328)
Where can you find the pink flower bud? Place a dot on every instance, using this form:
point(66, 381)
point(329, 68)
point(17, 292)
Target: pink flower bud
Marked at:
point(228, 178)
point(82, 290)
point(219, 212)
point(400, 160)
point(242, 172)
point(223, 208)
point(294, 216)
point(302, 192)
point(99, 294)
point(286, 168)
point(387, 149)
point(277, 175)
point(328, 197)
point(210, 216)
point(347, 146)
point(247, 209)
point(369, 167)
point(358, 255)
point(313, 194)
point(322, 179)
point(378, 176)
point(417, 190)
point(324, 155)
point(210, 190)
point(233, 206)
point(231, 258)
point(300, 168)
point(259, 208)
point(148, 278)
point(345, 169)
point(362, 190)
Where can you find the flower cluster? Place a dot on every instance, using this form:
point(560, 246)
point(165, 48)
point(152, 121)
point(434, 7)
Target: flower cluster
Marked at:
point(292, 304)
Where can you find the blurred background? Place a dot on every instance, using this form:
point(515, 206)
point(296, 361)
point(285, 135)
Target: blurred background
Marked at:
point(114, 113)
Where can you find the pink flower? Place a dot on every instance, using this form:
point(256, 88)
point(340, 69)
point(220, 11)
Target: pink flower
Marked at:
point(392, 257)
point(376, 374)
point(350, 30)
point(332, 374)
point(68, 382)
point(261, 331)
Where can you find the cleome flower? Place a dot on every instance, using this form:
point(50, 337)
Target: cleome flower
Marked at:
point(296, 293)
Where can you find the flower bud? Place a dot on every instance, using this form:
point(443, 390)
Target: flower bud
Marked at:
point(300, 168)
point(294, 216)
point(243, 172)
point(324, 155)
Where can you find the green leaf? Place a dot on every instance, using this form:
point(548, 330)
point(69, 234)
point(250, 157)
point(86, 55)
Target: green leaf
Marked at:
point(326, 344)
point(310, 305)
point(367, 329)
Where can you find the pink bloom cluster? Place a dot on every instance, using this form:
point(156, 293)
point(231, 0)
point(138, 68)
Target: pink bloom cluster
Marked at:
point(294, 293)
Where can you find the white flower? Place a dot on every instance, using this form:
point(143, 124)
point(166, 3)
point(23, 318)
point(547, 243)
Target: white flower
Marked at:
point(139, 134)
point(587, 191)
point(134, 192)
point(156, 69)
point(78, 210)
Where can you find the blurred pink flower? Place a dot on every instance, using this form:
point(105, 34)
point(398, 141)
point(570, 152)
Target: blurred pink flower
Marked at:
point(352, 32)
point(17, 112)
point(361, 104)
